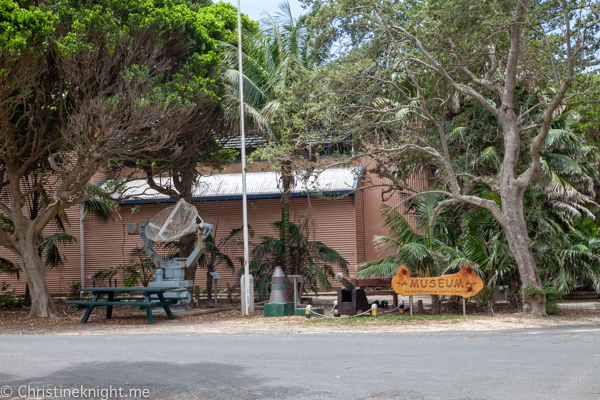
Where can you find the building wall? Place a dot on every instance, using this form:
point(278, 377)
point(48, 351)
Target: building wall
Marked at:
point(108, 245)
point(345, 224)
point(373, 201)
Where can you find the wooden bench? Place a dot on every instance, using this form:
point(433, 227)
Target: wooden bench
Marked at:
point(144, 303)
point(376, 282)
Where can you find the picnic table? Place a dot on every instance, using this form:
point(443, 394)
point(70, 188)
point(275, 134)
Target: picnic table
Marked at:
point(144, 302)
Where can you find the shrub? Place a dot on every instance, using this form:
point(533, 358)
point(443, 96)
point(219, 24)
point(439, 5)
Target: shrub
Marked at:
point(553, 297)
point(10, 301)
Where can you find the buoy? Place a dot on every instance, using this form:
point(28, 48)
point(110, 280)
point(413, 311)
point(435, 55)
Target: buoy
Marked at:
point(374, 310)
point(307, 313)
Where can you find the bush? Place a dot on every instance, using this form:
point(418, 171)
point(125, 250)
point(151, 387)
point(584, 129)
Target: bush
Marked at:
point(553, 297)
point(10, 301)
point(74, 290)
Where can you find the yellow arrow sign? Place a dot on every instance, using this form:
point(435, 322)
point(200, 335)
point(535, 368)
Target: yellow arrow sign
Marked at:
point(464, 283)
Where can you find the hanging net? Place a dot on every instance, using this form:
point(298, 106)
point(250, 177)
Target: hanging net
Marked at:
point(172, 223)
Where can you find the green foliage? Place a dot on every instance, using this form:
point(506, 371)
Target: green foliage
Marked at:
point(9, 268)
point(529, 291)
point(105, 276)
point(553, 297)
point(416, 247)
point(22, 27)
point(311, 259)
point(48, 246)
point(273, 59)
point(139, 273)
point(10, 301)
point(74, 290)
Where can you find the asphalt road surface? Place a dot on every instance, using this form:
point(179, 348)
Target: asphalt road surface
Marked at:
point(557, 363)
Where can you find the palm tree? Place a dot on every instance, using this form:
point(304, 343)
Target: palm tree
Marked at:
point(311, 259)
point(272, 59)
point(416, 247)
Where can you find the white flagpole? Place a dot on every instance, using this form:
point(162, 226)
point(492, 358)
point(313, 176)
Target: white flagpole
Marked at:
point(247, 290)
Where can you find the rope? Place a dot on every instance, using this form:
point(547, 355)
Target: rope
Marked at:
point(349, 316)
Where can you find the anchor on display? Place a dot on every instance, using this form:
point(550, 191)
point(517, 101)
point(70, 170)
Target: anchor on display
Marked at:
point(169, 225)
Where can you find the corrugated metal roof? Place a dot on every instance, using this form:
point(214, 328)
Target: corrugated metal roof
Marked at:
point(259, 185)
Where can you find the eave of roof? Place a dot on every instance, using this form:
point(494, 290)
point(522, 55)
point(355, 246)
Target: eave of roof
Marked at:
point(260, 185)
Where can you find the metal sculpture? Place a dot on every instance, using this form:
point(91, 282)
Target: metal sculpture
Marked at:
point(168, 225)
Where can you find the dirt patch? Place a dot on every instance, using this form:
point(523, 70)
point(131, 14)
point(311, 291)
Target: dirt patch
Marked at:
point(126, 320)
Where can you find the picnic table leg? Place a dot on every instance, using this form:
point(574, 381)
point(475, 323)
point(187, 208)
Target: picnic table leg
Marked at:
point(395, 297)
point(166, 306)
point(111, 296)
point(90, 308)
point(148, 310)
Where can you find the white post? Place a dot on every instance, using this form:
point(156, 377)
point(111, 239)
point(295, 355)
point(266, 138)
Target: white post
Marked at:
point(249, 300)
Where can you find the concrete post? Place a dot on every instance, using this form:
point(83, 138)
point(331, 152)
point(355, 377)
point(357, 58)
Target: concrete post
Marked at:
point(420, 306)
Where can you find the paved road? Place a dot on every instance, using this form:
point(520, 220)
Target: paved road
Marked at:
point(527, 364)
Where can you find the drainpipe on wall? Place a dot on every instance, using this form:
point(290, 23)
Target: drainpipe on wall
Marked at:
point(82, 244)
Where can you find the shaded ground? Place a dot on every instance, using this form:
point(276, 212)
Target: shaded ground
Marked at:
point(128, 320)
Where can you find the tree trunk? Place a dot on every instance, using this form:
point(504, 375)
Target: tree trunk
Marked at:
point(435, 305)
point(596, 284)
point(490, 305)
point(515, 228)
point(186, 247)
point(285, 228)
point(188, 242)
point(27, 297)
point(209, 281)
point(42, 304)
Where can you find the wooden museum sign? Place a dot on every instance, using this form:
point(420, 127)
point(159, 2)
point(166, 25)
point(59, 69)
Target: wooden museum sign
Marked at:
point(464, 283)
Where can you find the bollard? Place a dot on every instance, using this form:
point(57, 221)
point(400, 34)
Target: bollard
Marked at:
point(374, 310)
point(307, 313)
point(420, 306)
point(278, 294)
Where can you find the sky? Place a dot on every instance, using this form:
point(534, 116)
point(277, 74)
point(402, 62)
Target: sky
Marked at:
point(255, 8)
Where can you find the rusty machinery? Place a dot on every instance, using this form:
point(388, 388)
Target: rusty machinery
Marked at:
point(351, 300)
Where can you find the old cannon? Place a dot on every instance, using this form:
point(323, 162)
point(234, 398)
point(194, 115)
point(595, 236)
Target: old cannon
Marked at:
point(351, 300)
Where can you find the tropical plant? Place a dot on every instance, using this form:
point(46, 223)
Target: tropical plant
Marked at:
point(311, 259)
point(139, 272)
point(416, 246)
point(273, 58)
point(214, 255)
